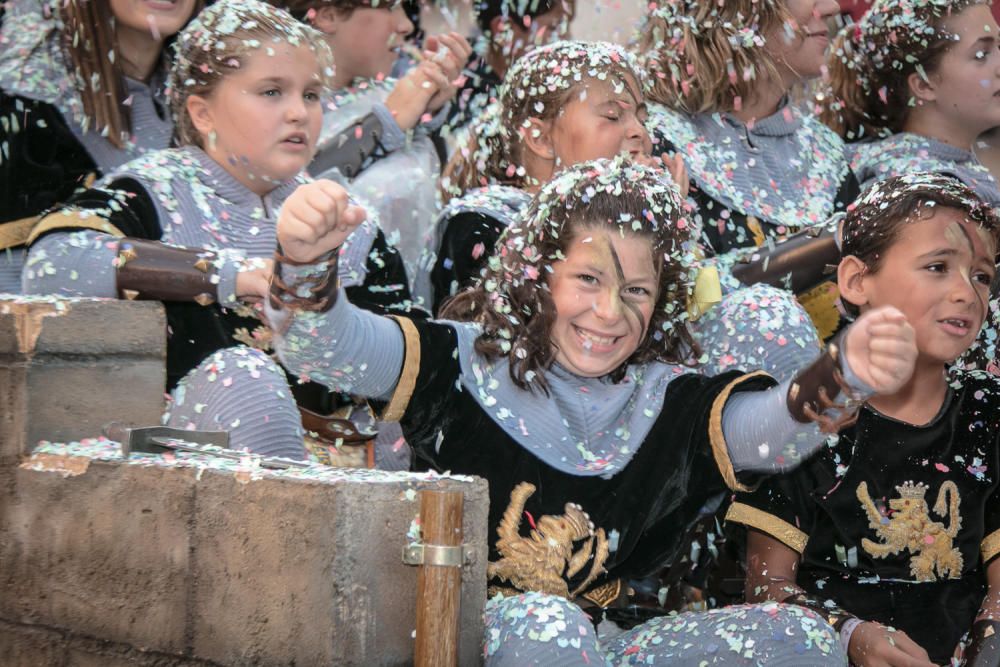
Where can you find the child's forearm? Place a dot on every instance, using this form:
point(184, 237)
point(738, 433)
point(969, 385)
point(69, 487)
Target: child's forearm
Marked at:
point(72, 264)
point(763, 431)
point(343, 347)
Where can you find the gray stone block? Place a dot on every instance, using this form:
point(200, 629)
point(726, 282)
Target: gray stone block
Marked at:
point(104, 553)
point(207, 566)
point(330, 584)
point(68, 366)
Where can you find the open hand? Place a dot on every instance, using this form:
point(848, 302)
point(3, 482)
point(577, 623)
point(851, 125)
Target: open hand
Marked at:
point(316, 219)
point(882, 349)
point(874, 645)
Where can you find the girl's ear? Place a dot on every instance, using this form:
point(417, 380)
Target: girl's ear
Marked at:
point(536, 134)
point(201, 114)
point(326, 20)
point(850, 280)
point(921, 89)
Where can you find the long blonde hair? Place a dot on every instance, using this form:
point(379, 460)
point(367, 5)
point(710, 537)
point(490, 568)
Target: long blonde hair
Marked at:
point(704, 55)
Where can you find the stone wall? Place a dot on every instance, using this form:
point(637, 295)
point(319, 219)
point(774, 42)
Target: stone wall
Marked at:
point(189, 560)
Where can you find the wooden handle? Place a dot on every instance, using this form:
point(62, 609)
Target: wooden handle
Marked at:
point(439, 587)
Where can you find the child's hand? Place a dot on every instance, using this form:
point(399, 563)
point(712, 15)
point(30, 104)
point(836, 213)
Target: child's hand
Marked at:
point(253, 282)
point(874, 645)
point(451, 51)
point(673, 164)
point(316, 219)
point(411, 96)
point(882, 349)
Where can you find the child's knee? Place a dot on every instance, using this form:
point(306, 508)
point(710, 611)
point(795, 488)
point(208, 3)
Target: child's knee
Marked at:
point(242, 391)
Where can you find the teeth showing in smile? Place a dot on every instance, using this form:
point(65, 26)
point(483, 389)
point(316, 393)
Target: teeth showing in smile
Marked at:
point(590, 339)
point(295, 140)
point(957, 323)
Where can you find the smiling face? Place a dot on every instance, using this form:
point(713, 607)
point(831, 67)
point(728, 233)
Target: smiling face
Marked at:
point(604, 294)
point(966, 83)
point(601, 120)
point(799, 47)
point(946, 264)
point(262, 121)
point(155, 20)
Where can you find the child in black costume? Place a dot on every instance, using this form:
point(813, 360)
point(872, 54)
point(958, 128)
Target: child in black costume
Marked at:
point(561, 387)
point(897, 522)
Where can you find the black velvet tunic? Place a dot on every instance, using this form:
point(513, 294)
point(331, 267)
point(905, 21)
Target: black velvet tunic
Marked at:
point(42, 162)
point(644, 508)
point(903, 559)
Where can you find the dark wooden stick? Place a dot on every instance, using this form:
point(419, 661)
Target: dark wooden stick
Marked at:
point(439, 587)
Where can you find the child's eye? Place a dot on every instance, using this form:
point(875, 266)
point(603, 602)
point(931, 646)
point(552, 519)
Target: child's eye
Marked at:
point(938, 267)
point(271, 92)
point(586, 278)
point(984, 278)
point(980, 55)
point(637, 291)
point(312, 96)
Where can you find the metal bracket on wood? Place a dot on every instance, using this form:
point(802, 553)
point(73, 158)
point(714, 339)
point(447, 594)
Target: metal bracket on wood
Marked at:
point(434, 554)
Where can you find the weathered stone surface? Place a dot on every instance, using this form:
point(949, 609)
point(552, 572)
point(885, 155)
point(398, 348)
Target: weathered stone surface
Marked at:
point(182, 564)
point(68, 366)
point(104, 553)
point(331, 586)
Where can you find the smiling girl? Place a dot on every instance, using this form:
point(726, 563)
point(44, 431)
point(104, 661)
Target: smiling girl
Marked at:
point(194, 226)
point(561, 104)
point(81, 92)
point(564, 371)
point(893, 529)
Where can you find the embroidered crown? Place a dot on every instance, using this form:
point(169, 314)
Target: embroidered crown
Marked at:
point(910, 490)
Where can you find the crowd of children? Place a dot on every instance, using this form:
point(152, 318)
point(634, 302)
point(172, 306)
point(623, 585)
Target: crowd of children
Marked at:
point(747, 262)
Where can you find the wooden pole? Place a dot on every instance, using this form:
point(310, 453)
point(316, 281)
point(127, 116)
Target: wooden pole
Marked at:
point(439, 587)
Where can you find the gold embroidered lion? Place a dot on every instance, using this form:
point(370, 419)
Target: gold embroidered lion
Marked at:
point(538, 562)
point(910, 527)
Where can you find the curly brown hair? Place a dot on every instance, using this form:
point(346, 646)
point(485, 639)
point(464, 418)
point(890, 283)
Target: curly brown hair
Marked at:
point(512, 301)
point(702, 56)
point(538, 85)
point(870, 62)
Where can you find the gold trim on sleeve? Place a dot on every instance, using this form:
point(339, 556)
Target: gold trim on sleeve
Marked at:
point(768, 523)
point(715, 435)
point(15, 233)
point(73, 219)
point(408, 377)
point(990, 547)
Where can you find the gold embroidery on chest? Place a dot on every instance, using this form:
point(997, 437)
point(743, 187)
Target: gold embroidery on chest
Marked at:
point(540, 561)
point(910, 528)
